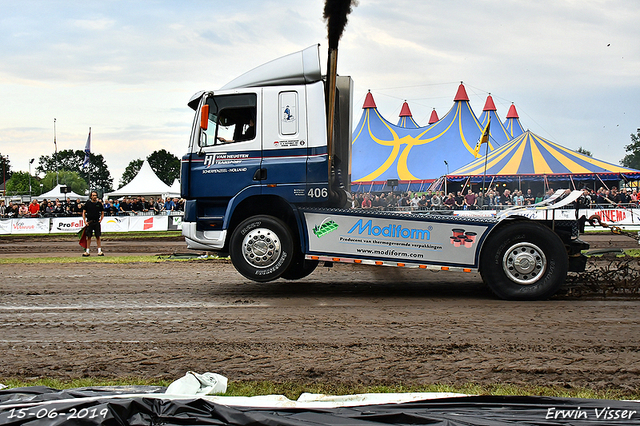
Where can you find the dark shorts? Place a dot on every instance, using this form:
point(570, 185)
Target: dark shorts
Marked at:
point(93, 227)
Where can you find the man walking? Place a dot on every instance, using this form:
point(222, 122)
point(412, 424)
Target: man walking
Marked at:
point(92, 215)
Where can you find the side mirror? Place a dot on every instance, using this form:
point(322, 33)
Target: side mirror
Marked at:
point(204, 117)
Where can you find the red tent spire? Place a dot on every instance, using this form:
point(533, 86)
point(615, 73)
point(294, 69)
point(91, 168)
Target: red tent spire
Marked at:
point(434, 117)
point(512, 112)
point(489, 105)
point(369, 102)
point(462, 94)
point(405, 111)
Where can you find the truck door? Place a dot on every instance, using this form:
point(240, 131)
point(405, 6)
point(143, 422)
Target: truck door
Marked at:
point(228, 154)
point(285, 142)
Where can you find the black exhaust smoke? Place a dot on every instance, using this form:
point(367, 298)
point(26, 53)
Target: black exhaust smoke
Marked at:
point(336, 14)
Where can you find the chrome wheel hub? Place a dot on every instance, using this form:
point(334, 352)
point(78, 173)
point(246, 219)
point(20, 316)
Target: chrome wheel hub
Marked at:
point(524, 263)
point(261, 248)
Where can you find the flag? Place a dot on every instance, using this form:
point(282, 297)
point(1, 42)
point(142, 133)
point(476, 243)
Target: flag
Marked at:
point(82, 237)
point(55, 144)
point(483, 139)
point(87, 151)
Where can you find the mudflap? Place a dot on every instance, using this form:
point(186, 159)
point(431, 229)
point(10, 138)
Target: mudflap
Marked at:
point(577, 263)
point(577, 260)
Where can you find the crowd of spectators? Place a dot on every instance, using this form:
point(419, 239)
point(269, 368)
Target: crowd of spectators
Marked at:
point(429, 200)
point(493, 199)
point(70, 207)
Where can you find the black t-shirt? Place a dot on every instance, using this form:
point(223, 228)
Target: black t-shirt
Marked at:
point(93, 210)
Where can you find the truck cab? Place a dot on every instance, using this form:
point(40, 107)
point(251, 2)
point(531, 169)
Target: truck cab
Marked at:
point(260, 141)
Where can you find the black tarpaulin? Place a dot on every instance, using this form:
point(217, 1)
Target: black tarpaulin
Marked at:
point(149, 406)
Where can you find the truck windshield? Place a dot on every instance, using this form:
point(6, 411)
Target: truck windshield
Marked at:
point(232, 118)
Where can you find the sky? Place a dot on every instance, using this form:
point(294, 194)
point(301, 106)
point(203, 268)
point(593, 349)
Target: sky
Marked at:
point(127, 69)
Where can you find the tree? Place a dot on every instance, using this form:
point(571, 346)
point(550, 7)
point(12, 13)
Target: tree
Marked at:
point(584, 151)
point(632, 160)
point(97, 174)
point(66, 178)
point(130, 172)
point(166, 165)
point(19, 184)
point(6, 168)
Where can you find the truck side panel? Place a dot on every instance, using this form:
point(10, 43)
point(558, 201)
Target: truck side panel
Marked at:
point(418, 239)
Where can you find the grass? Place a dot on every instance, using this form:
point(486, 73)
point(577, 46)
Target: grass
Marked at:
point(105, 235)
point(93, 259)
point(293, 390)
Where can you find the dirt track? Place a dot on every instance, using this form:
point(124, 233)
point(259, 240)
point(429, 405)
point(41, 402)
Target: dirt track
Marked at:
point(348, 324)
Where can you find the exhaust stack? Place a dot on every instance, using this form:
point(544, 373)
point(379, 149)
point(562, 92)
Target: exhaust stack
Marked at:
point(336, 14)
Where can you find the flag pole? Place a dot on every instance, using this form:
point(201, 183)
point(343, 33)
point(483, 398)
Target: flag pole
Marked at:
point(484, 175)
point(87, 158)
point(89, 164)
point(485, 139)
point(55, 146)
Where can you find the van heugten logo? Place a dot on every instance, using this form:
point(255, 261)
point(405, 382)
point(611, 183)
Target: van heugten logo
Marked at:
point(148, 223)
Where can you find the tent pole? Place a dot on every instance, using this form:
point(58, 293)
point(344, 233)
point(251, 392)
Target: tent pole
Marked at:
point(605, 185)
point(572, 183)
point(545, 183)
point(465, 185)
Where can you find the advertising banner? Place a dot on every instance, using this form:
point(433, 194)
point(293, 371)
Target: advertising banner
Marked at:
point(115, 224)
point(66, 224)
point(30, 226)
point(5, 226)
point(389, 238)
point(175, 223)
point(148, 223)
point(615, 216)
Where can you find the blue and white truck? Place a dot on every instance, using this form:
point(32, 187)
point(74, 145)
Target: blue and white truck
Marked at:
point(266, 180)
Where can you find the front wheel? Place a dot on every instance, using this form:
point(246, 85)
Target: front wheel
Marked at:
point(261, 248)
point(524, 261)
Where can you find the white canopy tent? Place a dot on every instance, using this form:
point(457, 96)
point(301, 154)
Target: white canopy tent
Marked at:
point(146, 183)
point(175, 189)
point(55, 193)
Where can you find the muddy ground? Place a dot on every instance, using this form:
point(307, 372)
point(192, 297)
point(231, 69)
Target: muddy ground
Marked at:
point(347, 324)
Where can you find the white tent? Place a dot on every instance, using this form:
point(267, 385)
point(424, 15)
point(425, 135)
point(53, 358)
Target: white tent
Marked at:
point(146, 183)
point(55, 193)
point(175, 189)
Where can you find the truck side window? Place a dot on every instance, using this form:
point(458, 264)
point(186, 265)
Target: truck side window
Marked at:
point(232, 118)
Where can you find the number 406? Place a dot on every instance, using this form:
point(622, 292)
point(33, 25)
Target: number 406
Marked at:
point(317, 193)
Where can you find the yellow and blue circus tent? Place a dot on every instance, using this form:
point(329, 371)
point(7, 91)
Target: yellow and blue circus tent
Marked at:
point(512, 123)
point(383, 151)
point(530, 157)
point(406, 118)
point(497, 132)
point(376, 145)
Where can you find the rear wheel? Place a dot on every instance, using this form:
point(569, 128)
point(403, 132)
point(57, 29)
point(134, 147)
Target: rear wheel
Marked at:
point(524, 261)
point(299, 267)
point(261, 248)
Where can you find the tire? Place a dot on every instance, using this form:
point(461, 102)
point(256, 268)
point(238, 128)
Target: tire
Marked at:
point(261, 248)
point(299, 267)
point(524, 261)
